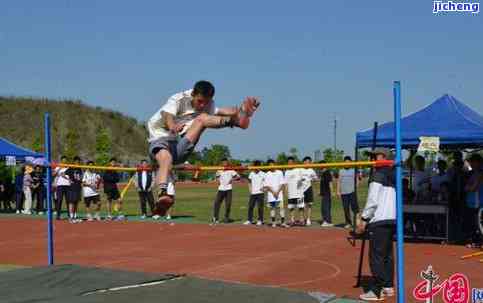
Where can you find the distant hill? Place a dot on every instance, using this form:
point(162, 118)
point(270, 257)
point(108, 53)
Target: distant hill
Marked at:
point(77, 129)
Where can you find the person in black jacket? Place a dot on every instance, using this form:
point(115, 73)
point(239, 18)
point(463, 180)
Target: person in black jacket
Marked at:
point(144, 181)
point(38, 192)
point(19, 197)
point(379, 216)
point(110, 180)
point(74, 191)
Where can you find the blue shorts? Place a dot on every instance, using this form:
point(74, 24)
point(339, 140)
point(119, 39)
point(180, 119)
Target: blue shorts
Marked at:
point(274, 204)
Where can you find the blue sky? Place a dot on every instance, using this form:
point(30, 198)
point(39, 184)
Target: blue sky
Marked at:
point(306, 59)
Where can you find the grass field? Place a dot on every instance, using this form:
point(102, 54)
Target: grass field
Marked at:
point(194, 203)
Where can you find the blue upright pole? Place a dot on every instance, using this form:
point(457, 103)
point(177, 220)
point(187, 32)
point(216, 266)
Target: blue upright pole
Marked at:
point(399, 197)
point(48, 158)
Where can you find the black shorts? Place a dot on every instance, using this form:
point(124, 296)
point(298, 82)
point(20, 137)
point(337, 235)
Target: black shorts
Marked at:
point(112, 194)
point(73, 196)
point(309, 195)
point(91, 200)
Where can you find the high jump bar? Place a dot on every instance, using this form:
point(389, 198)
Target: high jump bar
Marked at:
point(347, 164)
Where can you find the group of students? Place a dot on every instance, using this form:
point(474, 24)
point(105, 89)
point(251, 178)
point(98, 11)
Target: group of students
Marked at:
point(70, 185)
point(269, 187)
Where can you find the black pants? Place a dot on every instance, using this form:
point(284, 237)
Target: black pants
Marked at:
point(220, 196)
point(471, 226)
point(325, 208)
point(256, 199)
point(38, 196)
point(62, 194)
point(349, 201)
point(146, 196)
point(381, 256)
point(18, 200)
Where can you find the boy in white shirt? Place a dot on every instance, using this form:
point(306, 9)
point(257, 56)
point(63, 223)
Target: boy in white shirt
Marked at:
point(273, 185)
point(90, 185)
point(176, 128)
point(225, 179)
point(309, 175)
point(255, 188)
point(62, 186)
point(294, 181)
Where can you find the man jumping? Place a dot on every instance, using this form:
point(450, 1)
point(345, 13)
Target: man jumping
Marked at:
point(175, 129)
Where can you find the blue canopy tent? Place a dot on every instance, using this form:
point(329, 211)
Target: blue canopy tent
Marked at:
point(457, 126)
point(8, 148)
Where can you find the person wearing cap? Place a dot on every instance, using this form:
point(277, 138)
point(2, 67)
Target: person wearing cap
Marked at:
point(379, 218)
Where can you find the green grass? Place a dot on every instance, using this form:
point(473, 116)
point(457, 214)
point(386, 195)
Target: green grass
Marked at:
point(196, 203)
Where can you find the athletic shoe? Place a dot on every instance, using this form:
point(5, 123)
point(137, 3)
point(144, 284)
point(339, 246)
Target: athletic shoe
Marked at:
point(348, 226)
point(168, 217)
point(120, 218)
point(247, 223)
point(259, 223)
point(388, 291)
point(156, 217)
point(308, 222)
point(97, 217)
point(17, 212)
point(89, 218)
point(370, 296)
point(326, 224)
point(284, 225)
point(78, 220)
point(27, 212)
point(274, 224)
point(246, 110)
point(109, 218)
point(164, 203)
point(73, 221)
point(143, 217)
point(214, 221)
point(40, 213)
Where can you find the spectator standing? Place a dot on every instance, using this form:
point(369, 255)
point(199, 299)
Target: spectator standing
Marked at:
point(379, 215)
point(225, 192)
point(90, 186)
point(474, 201)
point(294, 183)
point(274, 183)
point(326, 197)
point(110, 180)
point(255, 187)
point(75, 190)
point(440, 177)
point(27, 190)
point(309, 175)
point(19, 197)
point(346, 192)
point(38, 189)
point(144, 181)
point(62, 187)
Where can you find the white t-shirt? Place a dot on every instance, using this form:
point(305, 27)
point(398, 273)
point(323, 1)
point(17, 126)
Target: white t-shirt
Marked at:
point(274, 180)
point(257, 180)
point(171, 191)
point(91, 180)
point(309, 175)
point(180, 106)
point(225, 177)
point(294, 181)
point(62, 180)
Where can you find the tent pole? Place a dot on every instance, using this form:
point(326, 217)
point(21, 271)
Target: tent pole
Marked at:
point(48, 158)
point(399, 197)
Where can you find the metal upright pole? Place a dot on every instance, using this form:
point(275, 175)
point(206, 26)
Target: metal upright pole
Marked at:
point(48, 158)
point(399, 193)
